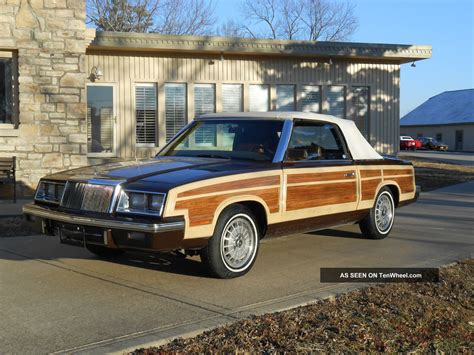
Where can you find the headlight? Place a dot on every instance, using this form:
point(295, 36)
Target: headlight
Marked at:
point(50, 191)
point(138, 202)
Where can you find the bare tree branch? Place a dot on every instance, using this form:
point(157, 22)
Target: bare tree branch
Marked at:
point(232, 28)
point(186, 17)
point(330, 20)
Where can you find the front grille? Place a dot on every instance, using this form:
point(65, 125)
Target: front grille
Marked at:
point(87, 197)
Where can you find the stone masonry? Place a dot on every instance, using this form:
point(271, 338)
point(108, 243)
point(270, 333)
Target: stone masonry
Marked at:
point(48, 37)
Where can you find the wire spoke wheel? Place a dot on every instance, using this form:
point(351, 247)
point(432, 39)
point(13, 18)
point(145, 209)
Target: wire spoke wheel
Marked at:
point(238, 243)
point(384, 212)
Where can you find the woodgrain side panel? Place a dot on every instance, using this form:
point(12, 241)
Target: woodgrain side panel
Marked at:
point(395, 172)
point(313, 177)
point(201, 210)
point(308, 196)
point(406, 184)
point(369, 188)
point(370, 173)
point(233, 185)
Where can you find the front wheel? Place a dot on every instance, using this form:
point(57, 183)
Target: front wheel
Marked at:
point(379, 222)
point(232, 250)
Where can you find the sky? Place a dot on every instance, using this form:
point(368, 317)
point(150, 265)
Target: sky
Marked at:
point(447, 25)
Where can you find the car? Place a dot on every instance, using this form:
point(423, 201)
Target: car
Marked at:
point(225, 182)
point(418, 144)
point(433, 144)
point(407, 142)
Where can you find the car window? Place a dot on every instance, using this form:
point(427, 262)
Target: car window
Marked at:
point(315, 141)
point(233, 139)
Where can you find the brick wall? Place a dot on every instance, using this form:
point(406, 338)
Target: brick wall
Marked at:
point(48, 39)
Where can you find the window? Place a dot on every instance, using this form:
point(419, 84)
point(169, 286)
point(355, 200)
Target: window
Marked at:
point(360, 106)
point(259, 98)
point(249, 139)
point(145, 113)
point(7, 88)
point(205, 102)
point(232, 98)
point(311, 99)
point(175, 108)
point(285, 98)
point(439, 137)
point(315, 141)
point(100, 119)
point(336, 97)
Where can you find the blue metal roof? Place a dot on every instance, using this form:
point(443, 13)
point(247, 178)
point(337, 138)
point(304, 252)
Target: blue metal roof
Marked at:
point(449, 107)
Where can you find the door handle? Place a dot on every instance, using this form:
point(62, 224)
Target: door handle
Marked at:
point(349, 174)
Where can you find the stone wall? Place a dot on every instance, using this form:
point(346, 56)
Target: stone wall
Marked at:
point(48, 38)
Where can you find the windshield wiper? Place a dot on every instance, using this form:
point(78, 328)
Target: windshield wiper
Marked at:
point(217, 156)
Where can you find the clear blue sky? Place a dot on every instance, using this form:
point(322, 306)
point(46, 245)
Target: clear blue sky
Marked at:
point(447, 25)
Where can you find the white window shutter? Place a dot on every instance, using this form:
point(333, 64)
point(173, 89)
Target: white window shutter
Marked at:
point(175, 108)
point(336, 100)
point(145, 112)
point(311, 98)
point(259, 98)
point(232, 98)
point(285, 98)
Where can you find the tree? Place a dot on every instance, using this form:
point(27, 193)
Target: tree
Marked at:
point(327, 20)
point(186, 17)
point(178, 17)
point(122, 15)
point(231, 28)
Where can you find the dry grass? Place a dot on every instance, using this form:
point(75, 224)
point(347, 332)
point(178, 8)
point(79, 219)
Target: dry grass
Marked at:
point(431, 175)
point(399, 317)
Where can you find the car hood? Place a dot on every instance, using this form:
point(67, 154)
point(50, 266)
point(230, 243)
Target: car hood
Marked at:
point(162, 172)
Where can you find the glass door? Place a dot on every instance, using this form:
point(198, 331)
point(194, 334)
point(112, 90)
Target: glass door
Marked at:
point(100, 120)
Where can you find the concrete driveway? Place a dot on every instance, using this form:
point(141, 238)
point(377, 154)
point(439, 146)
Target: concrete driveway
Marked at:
point(61, 298)
point(444, 157)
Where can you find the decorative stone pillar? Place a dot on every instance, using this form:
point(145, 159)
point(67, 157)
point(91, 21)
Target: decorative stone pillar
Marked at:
point(47, 38)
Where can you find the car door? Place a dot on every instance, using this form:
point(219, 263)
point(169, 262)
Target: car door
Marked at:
point(320, 178)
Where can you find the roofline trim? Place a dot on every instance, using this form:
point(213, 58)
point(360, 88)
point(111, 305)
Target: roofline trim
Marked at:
point(152, 42)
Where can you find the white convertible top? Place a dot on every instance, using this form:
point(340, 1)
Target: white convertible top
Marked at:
point(359, 148)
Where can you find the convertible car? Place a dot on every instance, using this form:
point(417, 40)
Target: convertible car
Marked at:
point(225, 182)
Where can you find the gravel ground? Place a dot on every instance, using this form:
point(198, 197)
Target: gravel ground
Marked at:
point(398, 317)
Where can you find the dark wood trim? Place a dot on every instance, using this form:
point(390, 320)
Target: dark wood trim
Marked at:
point(314, 223)
point(234, 185)
point(370, 173)
point(201, 210)
point(308, 196)
point(327, 176)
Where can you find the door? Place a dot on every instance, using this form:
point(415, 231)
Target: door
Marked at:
point(459, 140)
point(101, 120)
point(320, 176)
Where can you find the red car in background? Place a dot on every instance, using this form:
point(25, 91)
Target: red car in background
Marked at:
point(407, 142)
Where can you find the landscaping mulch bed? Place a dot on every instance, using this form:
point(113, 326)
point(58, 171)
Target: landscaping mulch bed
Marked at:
point(398, 317)
point(15, 227)
point(430, 175)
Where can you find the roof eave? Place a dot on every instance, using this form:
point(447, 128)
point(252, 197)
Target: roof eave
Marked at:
point(148, 42)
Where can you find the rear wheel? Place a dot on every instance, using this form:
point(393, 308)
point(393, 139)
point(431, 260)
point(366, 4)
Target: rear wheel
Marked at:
point(104, 252)
point(232, 250)
point(379, 222)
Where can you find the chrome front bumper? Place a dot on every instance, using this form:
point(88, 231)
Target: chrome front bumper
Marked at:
point(46, 213)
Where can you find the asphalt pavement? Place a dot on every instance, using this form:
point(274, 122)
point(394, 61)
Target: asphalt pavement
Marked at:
point(60, 298)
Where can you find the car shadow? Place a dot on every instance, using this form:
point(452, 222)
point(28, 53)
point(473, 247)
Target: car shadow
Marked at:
point(163, 262)
point(338, 233)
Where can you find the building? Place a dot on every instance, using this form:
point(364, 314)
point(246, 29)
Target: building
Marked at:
point(448, 117)
point(71, 97)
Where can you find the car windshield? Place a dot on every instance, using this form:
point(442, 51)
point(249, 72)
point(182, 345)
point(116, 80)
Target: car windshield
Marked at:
point(250, 139)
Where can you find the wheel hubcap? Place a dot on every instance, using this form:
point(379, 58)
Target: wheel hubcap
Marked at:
point(384, 213)
point(238, 243)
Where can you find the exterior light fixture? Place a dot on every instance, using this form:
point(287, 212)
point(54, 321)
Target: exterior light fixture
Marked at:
point(413, 65)
point(96, 73)
point(211, 62)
